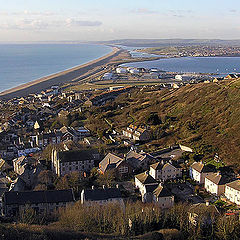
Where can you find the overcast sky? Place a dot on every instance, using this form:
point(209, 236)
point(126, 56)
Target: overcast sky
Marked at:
point(47, 20)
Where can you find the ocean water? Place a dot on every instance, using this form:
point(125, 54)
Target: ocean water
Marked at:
point(216, 65)
point(22, 63)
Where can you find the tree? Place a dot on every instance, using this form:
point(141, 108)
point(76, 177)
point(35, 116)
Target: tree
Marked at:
point(153, 119)
point(46, 177)
point(106, 179)
point(27, 215)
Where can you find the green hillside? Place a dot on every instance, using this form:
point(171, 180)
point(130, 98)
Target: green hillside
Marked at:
point(205, 117)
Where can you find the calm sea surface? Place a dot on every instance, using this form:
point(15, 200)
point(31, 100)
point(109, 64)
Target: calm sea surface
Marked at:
point(21, 63)
point(220, 65)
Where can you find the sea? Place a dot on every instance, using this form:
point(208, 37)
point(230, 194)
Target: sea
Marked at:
point(22, 63)
point(216, 65)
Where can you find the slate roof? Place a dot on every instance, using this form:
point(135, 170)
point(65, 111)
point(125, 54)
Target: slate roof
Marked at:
point(201, 168)
point(75, 156)
point(135, 159)
point(145, 178)
point(161, 191)
point(201, 208)
point(160, 165)
point(235, 185)
point(217, 178)
point(33, 197)
point(150, 188)
point(110, 161)
point(102, 194)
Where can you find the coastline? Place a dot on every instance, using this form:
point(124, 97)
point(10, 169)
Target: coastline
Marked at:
point(59, 78)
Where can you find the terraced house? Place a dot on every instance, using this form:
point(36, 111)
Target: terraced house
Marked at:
point(115, 163)
point(198, 171)
point(232, 191)
point(136, 133)
point(65, 162)
point(215, 183)
point(41, 201)
point(165, 171)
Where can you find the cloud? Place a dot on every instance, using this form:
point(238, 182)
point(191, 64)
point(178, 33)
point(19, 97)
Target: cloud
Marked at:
point(232, 10)
point(144, 11)
point(82, 23)
point(28, 13)
point(25, 24)
point(179, 13)
point(43, 24)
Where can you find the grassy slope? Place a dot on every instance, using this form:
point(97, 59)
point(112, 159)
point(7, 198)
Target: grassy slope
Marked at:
point(207, 116)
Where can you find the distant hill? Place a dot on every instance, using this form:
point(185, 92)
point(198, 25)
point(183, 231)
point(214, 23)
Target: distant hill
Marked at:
point(170, 42)
point(204, 116)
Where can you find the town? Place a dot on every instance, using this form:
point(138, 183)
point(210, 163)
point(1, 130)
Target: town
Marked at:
point(195, 51)
point(51, 158)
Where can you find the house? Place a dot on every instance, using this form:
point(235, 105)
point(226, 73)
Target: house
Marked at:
point(146, 185)
point(41, 201)
point(101, 196)
point(113, 162)
point(232, 76)
point(163, 197)
point(69, 133)
point(215, 183)
point(136, 133)
point(19, 164)
point(4, 166)
point(42, 140)
point(165, 171)
point(232, 191)
point(139, 160)
point(65, 162)
point(202, 213)
point(198, 171)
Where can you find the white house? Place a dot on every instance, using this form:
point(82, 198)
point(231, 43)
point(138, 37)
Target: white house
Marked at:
point(65, 162)
point(164, 171)
point(198, 171)
point(101, 196)
point(232, 191)
point(215, 183)
point(121, 70)
point(146, 185)
point(163, 197)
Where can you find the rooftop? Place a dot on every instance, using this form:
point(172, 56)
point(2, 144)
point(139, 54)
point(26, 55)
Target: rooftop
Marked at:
point(217, 178)
point(145, 178)
point(235, 185)
point(101, 194)
point(33, 197)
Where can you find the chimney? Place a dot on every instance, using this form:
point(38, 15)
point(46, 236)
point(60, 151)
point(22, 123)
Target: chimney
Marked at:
point(147, 172)
point(103, 186)
point(117, 186)
point(92, 187)
point(207, 203)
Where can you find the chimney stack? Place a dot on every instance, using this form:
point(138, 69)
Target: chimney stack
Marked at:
point(103, 186)
point(92, 187)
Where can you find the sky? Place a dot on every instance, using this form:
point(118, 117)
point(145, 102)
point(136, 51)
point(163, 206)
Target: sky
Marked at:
point(97, 20)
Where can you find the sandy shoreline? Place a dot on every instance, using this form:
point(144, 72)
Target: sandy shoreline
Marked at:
point(57, 78)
